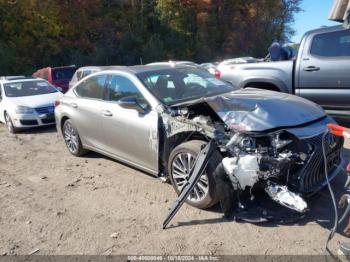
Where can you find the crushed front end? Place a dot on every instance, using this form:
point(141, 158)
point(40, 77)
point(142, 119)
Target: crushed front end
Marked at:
point(283, 164)
point(286, 164)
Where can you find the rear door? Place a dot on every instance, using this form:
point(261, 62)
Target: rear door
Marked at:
point(86, 110)
point(131, 135)
point(324, 71)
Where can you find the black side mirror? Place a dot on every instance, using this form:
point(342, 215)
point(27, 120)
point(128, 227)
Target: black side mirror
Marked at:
point(130, 102)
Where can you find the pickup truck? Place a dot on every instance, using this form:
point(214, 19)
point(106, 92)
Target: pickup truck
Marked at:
point(320, 72)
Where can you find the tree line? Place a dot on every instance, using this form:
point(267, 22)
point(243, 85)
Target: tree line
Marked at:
point(37, 33)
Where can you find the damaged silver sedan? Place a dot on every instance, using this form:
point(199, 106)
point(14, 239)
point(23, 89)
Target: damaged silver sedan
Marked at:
point(158, 118)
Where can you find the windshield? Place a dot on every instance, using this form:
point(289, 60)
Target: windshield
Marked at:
point(28, 88)
point(63, 73)
point(176, 85)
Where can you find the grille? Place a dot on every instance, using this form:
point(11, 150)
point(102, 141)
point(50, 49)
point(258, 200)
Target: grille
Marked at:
point(48, 120)
point(45, 110)
point(29, 122)
point(312, 176)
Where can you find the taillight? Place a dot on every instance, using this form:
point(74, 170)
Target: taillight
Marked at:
point(217, 73)
point(57, 103)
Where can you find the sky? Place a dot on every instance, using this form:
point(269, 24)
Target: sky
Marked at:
point(315, 15)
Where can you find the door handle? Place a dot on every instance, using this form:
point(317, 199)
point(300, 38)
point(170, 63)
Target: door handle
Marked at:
point(311, 68)
point(74, 105)
point(107, 113)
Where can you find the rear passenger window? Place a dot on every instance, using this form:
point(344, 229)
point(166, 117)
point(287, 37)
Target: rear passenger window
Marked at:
point(92, 87)
point(122, 87)
point(334, 44)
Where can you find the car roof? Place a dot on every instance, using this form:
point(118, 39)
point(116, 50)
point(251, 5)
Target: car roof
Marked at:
point(325, 29)
point(90, 68)
point(56, 67)
point(172, 62)
point(9, 79)
point(144, 68)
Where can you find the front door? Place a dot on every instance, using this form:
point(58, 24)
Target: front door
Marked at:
point(131, 135)
point(324, 70)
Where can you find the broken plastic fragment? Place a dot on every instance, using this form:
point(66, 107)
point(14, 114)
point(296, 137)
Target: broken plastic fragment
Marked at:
point(286, 198)
point(245, 169)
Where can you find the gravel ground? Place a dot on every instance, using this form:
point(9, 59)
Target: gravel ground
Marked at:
point(54, 203)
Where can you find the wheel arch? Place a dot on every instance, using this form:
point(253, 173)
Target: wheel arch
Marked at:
point(63, 120)
point(263, 85)
point(175, 140)
point(273, 83)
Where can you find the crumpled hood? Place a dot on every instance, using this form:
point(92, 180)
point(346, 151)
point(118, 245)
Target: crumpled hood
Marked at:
point(259, 110)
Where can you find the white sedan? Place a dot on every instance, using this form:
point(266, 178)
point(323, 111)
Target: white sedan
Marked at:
point(26, 102)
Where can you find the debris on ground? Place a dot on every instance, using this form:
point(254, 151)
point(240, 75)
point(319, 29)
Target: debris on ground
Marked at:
point(34, 251)
point(114, 235)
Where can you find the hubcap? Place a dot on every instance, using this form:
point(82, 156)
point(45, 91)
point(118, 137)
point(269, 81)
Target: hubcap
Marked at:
point(181, 167)
point(71, 138)
point(8, 122)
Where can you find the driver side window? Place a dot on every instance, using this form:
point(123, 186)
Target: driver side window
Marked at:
point(121, 87)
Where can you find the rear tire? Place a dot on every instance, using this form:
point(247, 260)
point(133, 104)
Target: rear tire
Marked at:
point(72, 139)
point(180, 162)
point(9, 124)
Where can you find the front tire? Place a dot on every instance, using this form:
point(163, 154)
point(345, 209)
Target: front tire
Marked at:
point(72, 139)
point(181, 160)
point(9, 124)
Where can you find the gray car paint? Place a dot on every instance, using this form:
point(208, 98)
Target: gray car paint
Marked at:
point(256, 110)
point(328, 85)
point(138, 133)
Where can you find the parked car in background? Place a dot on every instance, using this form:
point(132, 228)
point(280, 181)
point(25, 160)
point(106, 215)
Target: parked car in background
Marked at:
point(319, 73)
point(210, 67)
point(235, 61)
point(26, 102)
point(81, 73)
point(57, 76)
point(173, 63)
point(158, 117)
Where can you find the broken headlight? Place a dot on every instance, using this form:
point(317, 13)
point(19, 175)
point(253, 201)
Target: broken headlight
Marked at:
point(248, 142)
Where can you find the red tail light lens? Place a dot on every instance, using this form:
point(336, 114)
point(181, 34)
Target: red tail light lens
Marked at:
point(217, 73)
point(348, 168)
point(57, 103)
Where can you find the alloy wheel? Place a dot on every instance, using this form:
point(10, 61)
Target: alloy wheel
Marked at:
point(71, 138)
point(181, 167)
point(8, 122)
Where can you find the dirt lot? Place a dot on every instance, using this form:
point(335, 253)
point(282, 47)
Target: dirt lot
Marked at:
point(60, 204)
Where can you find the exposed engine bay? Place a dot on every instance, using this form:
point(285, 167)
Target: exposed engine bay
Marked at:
point(285, 162)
